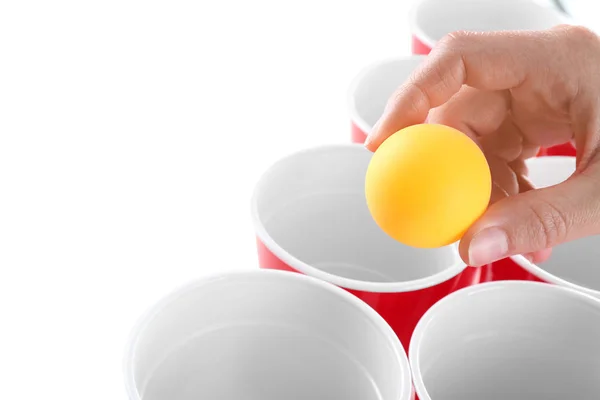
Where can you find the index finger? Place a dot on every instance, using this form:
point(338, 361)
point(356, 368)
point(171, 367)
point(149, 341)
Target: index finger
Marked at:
point(487, 61)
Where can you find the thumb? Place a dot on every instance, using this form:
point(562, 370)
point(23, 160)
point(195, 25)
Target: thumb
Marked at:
point(535, 220)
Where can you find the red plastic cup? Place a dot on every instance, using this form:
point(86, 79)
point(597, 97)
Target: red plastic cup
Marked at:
point(508, 340)
point(268, 335)
point(431, 20)
point(565, 149)
point(543, 172)
point(370, 90)
point(310, 216)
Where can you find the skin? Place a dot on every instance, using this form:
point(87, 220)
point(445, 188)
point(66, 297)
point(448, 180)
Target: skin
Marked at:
point(513, 92)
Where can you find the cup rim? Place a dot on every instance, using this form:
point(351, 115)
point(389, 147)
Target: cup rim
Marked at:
point(551, 278)
point(353, 284)
point(429, 315)
point(148, 316)
point(415, 28)
point(418, 32)
point(353, 112)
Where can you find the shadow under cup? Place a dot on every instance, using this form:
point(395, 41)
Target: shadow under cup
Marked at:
point(311, 216)
point(267, 335)
point(509, 340)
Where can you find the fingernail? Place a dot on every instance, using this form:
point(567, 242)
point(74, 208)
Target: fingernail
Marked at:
point(487, 246)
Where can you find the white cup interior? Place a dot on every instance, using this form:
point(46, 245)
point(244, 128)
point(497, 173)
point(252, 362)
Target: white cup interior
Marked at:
point(550, 170)
point(509, 340)
point(433, 19)
point(374, 85)
point(578, 261)
point(267, 335)
point(310, 208)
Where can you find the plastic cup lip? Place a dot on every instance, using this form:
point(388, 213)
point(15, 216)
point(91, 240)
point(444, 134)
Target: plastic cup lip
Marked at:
point(415, 28)
point(353, 284)
point(429, 316)
point(358, 80)
point(550, 278)
point(282, 276)
point(420, 33)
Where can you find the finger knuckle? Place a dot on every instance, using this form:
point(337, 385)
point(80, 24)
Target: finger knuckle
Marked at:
point(459, 36)
point(551, 224)
point(431, 92)
point(452, 73)
point(579, 33)
point(416, 96)
point(455, 40)
point(442, 74)
point(577, 36)
point(424, 95)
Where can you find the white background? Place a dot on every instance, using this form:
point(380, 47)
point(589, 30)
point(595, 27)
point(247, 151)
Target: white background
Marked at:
point(131, 135)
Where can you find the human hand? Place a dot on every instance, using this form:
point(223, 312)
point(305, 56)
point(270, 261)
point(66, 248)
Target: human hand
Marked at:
point(513, 92)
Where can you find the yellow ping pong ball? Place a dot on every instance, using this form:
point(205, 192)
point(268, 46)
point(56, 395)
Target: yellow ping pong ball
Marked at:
point(427, 184)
